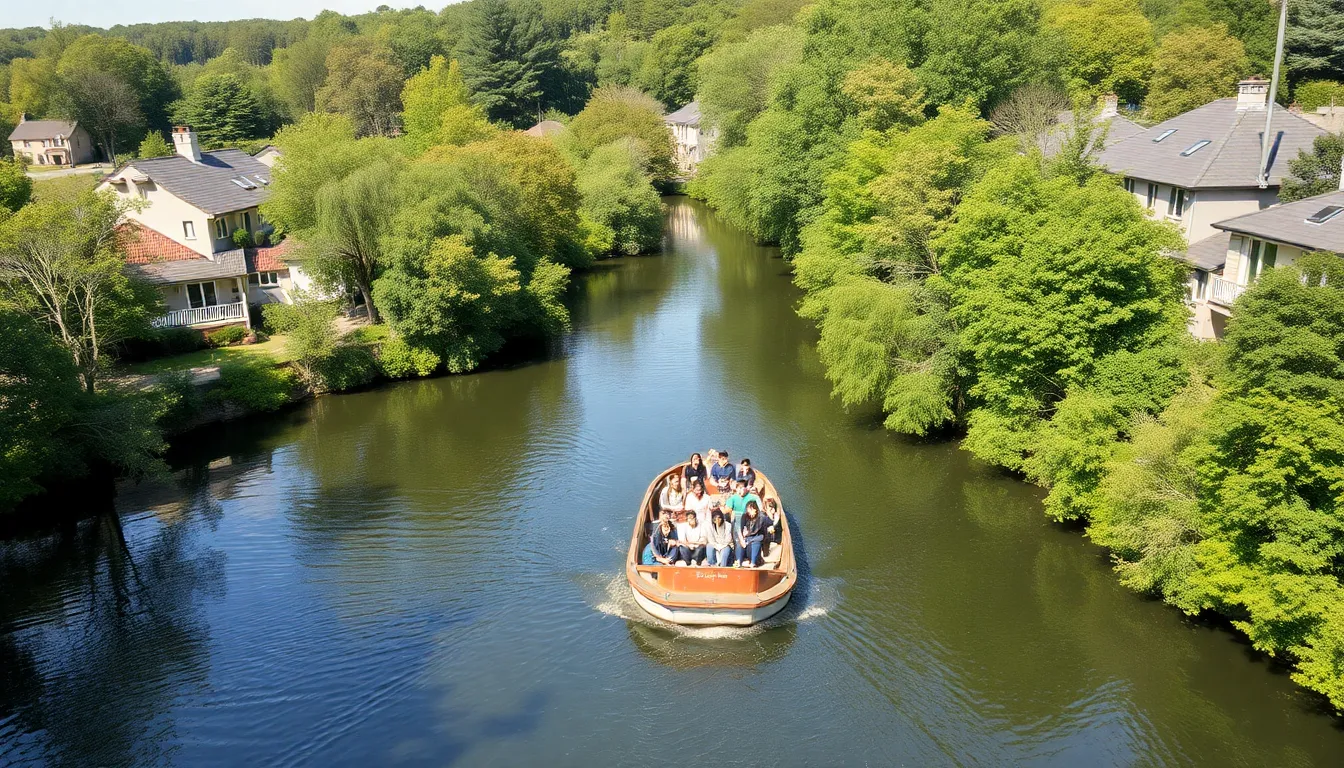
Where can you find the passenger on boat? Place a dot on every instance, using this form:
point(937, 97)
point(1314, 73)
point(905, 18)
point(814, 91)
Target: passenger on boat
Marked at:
point(691, 534)
point(722, 473)
point(750, 537)
point(745, 472)
point(718, 540)
point(673, 498)
point(695, 470)
point(774, 525)
point(737, 503)
point(665, 547)
point(697, 500)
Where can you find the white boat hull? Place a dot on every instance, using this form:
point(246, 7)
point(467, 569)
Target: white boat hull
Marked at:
point(742, 617)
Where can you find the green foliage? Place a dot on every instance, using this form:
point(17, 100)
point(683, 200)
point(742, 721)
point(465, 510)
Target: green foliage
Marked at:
point(1319, 93)
point(1109, 47)
point(667, 70)
point(221, 109)
point(615, 113)
point(15, 186)
point(507, 58)
point(1193, 66)
point(438, 108)
point(736, 79)
point(310, 332)
point(1316, 172)
point(180, 399)
point(983, 49)
point(620, 206)
point(226, 336)
point(364, 84)
point(255, 384)
point(127, 63)
point(1313, 39)
point(399, 360)
point(154, 145)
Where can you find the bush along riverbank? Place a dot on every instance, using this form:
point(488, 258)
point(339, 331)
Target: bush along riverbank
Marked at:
point(966, 283)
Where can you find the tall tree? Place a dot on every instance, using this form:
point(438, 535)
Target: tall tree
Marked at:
point(15, 186)
point(33, 86)
point(615, 113)
point(298, 72)
point(344, 247)
point(1314, 41)
point(506, 55)
point(438, 108)
point(222, 110)
point(983, 49)
point(736, 78)
point(104, 104)
point(132, 65)
point(61, 263)
point(1192, 67)
point(1110, 46)
point(364, 84)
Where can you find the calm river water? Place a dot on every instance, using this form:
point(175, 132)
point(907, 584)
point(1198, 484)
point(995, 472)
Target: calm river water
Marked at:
point(429, 574)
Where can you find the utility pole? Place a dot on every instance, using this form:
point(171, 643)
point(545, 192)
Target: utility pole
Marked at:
point(1265, 138)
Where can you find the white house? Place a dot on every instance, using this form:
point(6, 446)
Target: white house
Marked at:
point(51, 142)
point(692, 144)
point(184, 233)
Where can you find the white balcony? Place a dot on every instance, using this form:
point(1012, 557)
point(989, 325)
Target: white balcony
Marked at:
point(220, 313)
point(1225, 291)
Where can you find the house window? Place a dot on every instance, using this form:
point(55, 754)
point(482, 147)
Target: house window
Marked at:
point(1198, 286)
point(1129, 185)
point(270, 279)
point(1152, 196)
point(1176, 203)
point(221, 228)
point(1262, 257)
point(247, 221)
point(201, 295)
point(189, 230)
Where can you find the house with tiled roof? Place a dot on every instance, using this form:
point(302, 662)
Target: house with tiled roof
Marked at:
point(51, 142)
point(197, 232)
point(1204, 167)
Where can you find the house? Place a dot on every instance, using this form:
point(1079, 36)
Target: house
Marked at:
point(1203, 166)
point(1108, 118)
point(692, 144)
point(545, 128)
point(196, 231)
point(267, 155)
point(1247, 245)
point(51, 142)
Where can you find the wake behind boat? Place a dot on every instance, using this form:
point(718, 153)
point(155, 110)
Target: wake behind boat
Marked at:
point(704, 594)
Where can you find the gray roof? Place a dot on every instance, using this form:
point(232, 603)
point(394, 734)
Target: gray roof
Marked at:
point(42, 129)
point(687, 115)
point(225, 264)
point(545, 128)
point(1287, 223)
point(207, 185)
point(1209, 254)
point(1230, 160)
point(1117, 129)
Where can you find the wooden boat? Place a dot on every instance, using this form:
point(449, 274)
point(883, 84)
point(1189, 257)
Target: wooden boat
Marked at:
point(709, 595)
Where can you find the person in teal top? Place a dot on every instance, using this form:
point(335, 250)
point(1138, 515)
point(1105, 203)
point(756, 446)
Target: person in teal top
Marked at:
point(737, 503)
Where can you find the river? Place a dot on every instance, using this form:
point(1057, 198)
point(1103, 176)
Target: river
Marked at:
point(429, 574)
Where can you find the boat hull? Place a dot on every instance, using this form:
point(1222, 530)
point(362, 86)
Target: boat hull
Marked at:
point(740, 617)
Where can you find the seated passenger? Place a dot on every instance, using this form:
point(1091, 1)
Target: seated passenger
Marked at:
point(666, 548)
point(695, 470)
point(750, 537)
point(722, 474)
point(691, 534)
point(673, 499)
point(718, 540)
point(745, 472)
point(774, 523)
point(697, 500)
point(737, 503)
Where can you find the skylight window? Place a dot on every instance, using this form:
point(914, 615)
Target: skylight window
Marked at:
point(1164, 135)
point(1193, 148)
point(264, 181)
point(1325, 214)
point(244, 182)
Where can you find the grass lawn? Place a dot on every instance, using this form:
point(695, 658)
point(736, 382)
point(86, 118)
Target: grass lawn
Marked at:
point(63, 187)
point(273, 346)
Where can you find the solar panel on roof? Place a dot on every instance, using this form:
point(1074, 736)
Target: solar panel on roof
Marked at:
point(1325, 214)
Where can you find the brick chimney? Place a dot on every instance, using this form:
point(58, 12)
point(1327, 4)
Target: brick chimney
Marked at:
point(1253, 93)
point(1110, 105)
point(184, 141)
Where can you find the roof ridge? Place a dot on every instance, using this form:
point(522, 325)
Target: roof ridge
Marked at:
point(1219, 145)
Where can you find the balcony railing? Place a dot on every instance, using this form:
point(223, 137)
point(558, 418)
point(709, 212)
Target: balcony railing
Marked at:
point(220, 313)
point(1225, 291)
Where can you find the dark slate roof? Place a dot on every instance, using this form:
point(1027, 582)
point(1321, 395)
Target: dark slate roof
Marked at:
point(1287, 223)
point(687, 115)
point(225, 264)
point(42, 129)
point(207, 185)
point(1117, 129)
point(1209, 254)
point(1230, 160)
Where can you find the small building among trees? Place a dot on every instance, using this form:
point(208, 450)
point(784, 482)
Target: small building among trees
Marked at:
point(51, 142)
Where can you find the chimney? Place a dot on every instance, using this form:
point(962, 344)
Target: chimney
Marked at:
point(23, 117)
point(1253, 93)
point(184, 141)
point(1110, 106)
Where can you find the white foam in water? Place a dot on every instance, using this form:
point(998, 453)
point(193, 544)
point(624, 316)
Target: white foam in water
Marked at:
point(614, 599)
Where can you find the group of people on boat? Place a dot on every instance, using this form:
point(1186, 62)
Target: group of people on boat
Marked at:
point(712, 514)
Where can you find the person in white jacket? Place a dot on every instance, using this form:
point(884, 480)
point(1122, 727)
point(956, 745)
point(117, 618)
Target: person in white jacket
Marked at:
point(718, 540)
point(691, 534)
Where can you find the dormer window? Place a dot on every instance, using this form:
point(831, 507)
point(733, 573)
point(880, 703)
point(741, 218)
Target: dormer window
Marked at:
point(1193, 148)
point(1164, 135)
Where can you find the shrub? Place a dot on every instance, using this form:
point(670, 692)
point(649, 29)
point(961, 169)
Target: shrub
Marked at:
point(226, 336)
point(347, 367)
point(178, 341)
point(241, 238)
point(181, 400)
point(1319, 93)
point(255, 385)
point(400, 360)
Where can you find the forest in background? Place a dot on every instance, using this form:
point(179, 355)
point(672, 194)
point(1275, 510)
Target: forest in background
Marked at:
point(961, 281)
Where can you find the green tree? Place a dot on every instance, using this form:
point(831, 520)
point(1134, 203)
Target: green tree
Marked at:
point(1312, 44)
point(344, 247)
point(298, 71)
point(61, 263)
point(364, 84)
point(1319, 93)
point(15, 186)
point(33, 87)
point(222, 110)
point(1192, 67)
point(438, 108)
point(104, 105)
point(615, 113)
point(621, 210)
point(885, 95)
point(983, 49)
point(1109, 47)
point(667, 71)
point(154, 145)
point(736, 79)
point(506, 56)
point(1315, 172)
point(117, 59)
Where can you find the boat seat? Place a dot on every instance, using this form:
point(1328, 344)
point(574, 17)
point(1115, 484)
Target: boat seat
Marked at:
point(773, 553)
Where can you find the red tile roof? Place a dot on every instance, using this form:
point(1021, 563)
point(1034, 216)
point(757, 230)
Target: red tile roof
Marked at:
point(145, 246)
point(268, 259)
